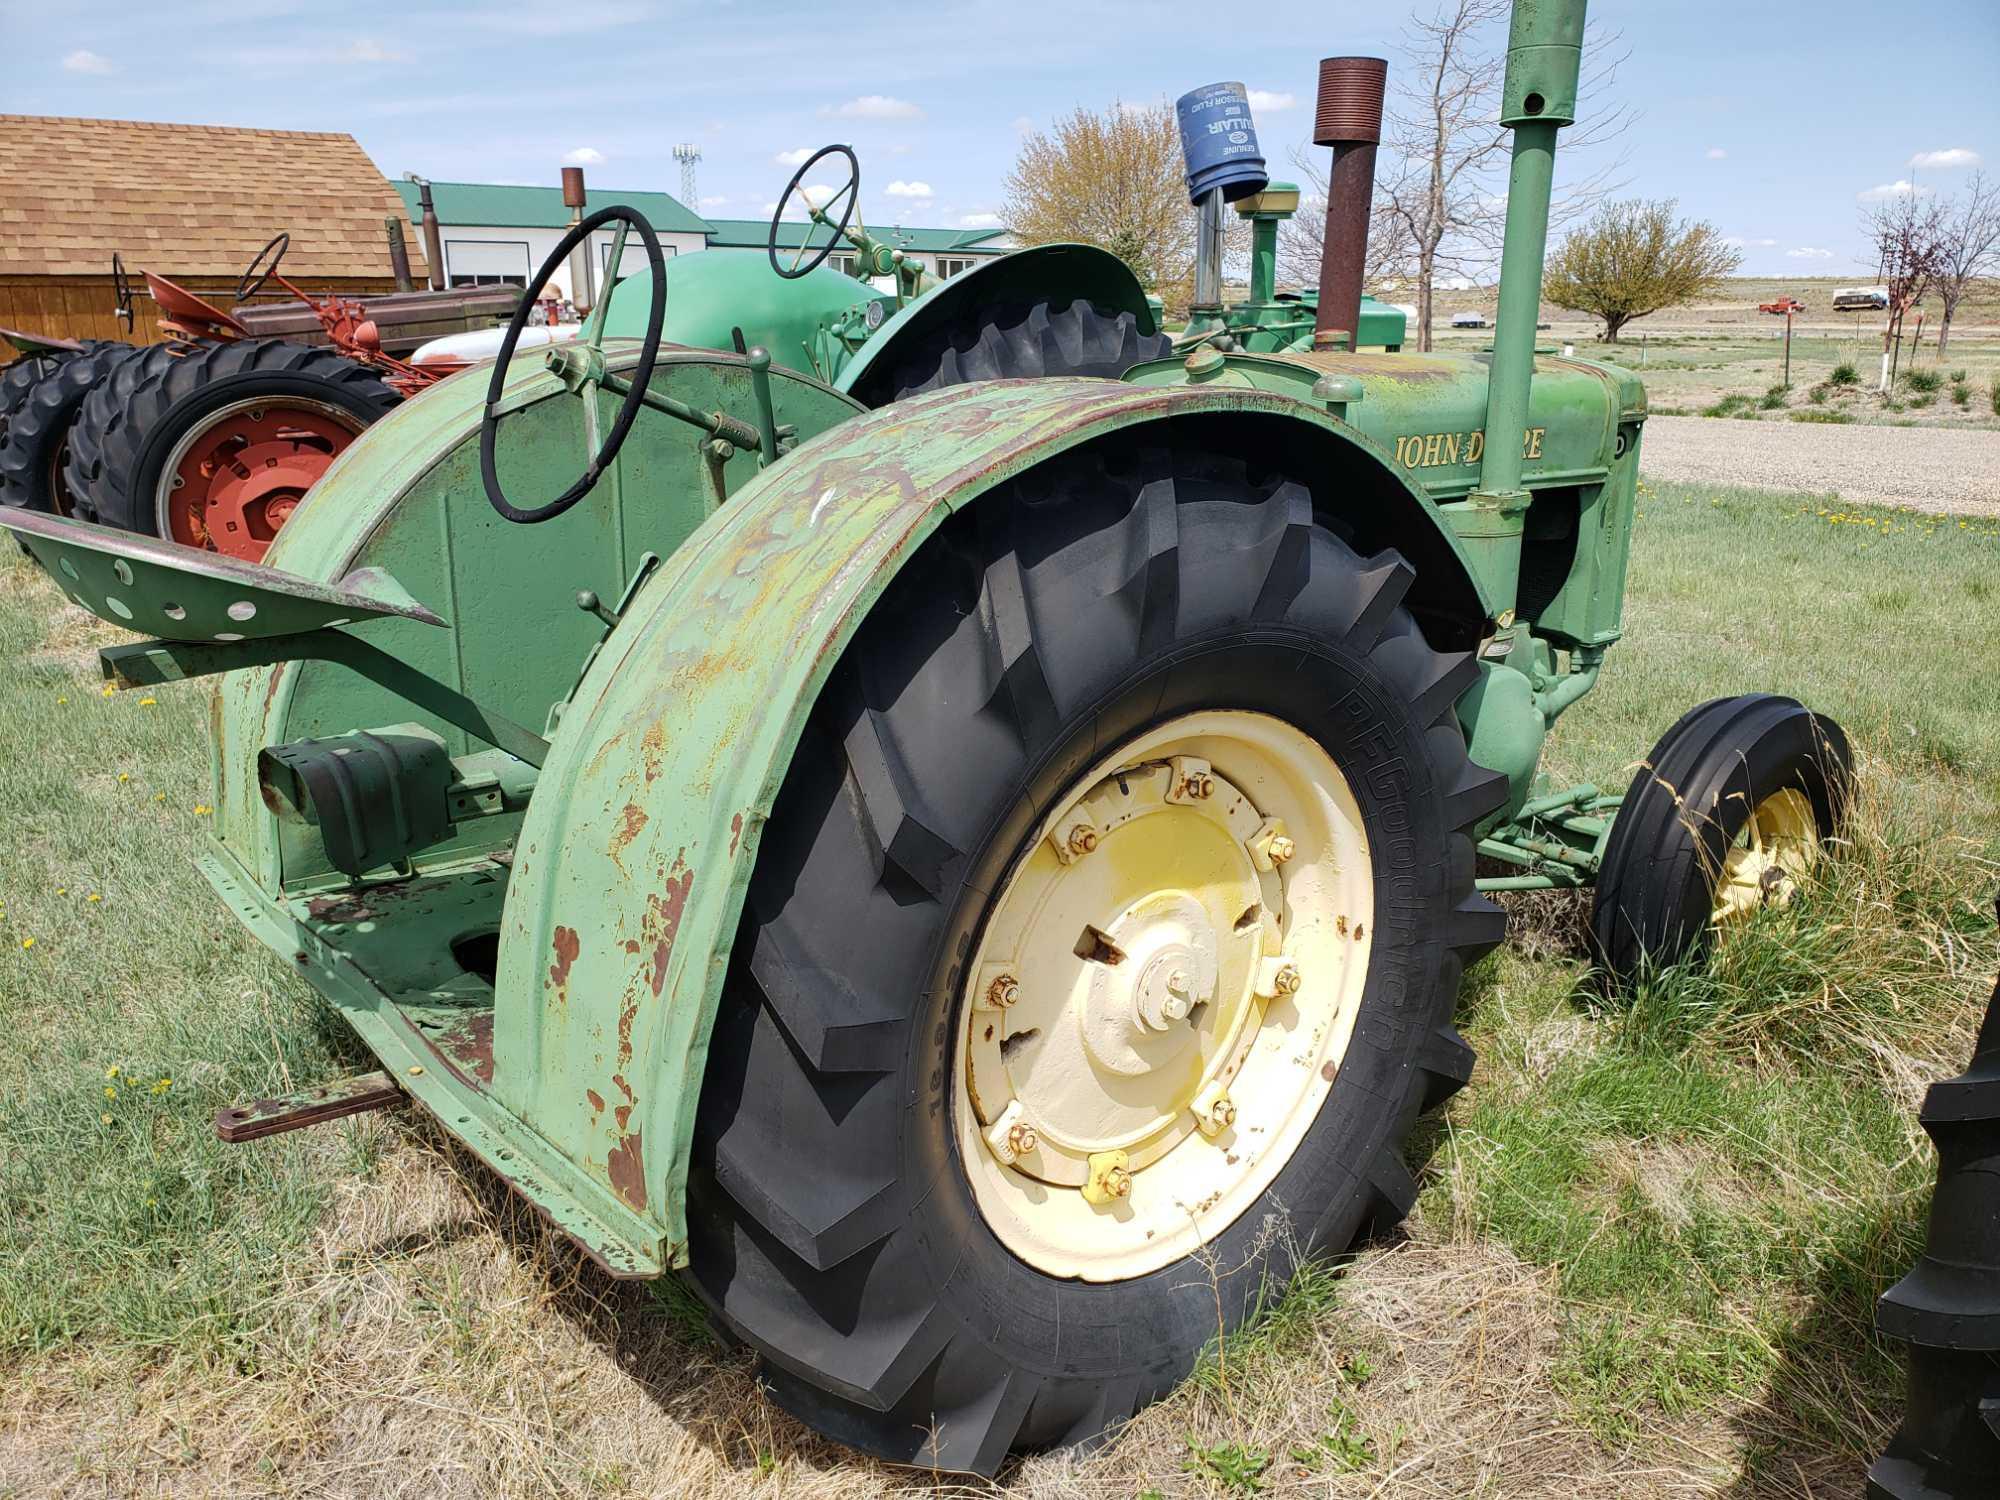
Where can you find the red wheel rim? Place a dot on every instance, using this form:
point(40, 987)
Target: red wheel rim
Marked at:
point(234, 482)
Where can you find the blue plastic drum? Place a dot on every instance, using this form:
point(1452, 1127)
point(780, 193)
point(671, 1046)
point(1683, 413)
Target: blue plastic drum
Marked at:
point(1219, 142)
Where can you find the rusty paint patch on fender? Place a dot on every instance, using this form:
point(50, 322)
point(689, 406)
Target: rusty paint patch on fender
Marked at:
point(567, 946)
point(630, 822)
point(626, 1167)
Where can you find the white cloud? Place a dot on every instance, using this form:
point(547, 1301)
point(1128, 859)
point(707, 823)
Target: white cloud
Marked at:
point(714, 200)
point(1882, 192)
point(83, 60)
point(583, 156)
point(1716, 153)
point(795, 158)
point(979, 221)
point(1748, 244)
point(875, 107)
point(1269, 101)
point(1955, 156)
point(908, 190)
point(367, 50)
point(1809, 252)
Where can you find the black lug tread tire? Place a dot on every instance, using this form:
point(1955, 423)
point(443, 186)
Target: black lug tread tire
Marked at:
point(1022, 341)
point(40, 398)
point(830, 1227)
point(118, 451)
point(1686, 804)
point(101, 416)
point(1948, 1307)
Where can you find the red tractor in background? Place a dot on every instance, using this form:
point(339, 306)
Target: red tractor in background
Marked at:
point(1782, 307)
point(212, 438)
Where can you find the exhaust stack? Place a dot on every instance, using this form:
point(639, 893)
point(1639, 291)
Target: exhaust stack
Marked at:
point(1349, 119)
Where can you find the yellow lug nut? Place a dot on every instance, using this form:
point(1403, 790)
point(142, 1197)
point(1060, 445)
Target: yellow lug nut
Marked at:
point(1003, 991)
point(1282, 849)
point(1109, 1180)
point(1082, 839)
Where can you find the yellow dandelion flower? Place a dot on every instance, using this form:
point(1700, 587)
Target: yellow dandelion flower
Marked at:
point(93, 896)
point(61, 701)
point(110, 1092)
point(27, 942)
point(112, 1071)
point(124, 775)
point(159, 796)
point(62, 890)
point(163, 1085)
point(202, 809)
point(148, 702)
point(104, 1119)
point(107, 691)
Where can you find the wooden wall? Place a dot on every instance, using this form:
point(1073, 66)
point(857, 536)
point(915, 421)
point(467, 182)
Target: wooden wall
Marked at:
point(81, 307)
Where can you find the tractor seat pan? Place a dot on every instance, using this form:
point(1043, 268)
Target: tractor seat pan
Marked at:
point(179, 594)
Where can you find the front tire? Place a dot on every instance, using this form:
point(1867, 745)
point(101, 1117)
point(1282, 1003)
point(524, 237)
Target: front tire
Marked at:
point(1725, 816)
point(1059, 627)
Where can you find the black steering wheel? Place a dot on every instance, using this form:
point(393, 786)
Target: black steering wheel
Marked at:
point(121, 289)
point(584, 358)
point(254, 279)
point(847, 197)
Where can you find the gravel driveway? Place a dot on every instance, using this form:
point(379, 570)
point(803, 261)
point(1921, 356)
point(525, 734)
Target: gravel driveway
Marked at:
point(1925, 468)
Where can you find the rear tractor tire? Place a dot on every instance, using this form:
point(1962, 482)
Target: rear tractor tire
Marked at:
point(216, 448)
point(1735, 804)
point(1021, 341)
point(40, 398)
point(1100, 953)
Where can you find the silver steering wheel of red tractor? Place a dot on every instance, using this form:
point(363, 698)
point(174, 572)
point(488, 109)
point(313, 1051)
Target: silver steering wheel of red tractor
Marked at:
point(579, 364)
point(845, 199)
point(259, 273)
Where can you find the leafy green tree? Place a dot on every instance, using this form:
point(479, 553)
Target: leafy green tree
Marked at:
point(1634, 258)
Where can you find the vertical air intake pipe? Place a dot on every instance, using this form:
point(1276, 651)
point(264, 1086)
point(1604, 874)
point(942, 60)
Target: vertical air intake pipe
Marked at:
point(1349, 119)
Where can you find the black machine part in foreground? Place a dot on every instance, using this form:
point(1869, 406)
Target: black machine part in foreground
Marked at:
point(1948, 1308)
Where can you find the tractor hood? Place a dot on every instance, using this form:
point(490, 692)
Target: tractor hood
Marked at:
point(1429, 410)
point(712, 293)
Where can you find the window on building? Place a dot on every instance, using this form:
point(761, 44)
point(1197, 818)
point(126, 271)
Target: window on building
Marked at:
point(842, 263)
point(949, 266)
point(635, 256)
point(480, 280)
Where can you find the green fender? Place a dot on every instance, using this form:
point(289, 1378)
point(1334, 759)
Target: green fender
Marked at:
point(632, 865)
point(1054, 271)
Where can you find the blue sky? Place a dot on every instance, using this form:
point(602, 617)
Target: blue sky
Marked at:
point(1770, 118)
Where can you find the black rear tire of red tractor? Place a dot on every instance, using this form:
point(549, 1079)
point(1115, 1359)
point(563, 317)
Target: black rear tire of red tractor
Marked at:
point(831, 1224)
point(117, 465)
point(1687, 804)
point(40, 397)
point(100, 418)
point(1019, 341)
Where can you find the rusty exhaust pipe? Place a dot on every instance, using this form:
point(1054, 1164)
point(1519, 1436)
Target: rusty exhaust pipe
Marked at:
point(1349, 119)
point(428, 222)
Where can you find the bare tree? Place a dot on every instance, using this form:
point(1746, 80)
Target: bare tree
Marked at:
point(1449, 152)
point(1969, 247)
point(1389, 247)
point(1908, 232)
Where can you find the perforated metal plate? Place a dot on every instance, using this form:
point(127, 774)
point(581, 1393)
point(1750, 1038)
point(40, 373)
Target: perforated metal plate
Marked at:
point(180, 594)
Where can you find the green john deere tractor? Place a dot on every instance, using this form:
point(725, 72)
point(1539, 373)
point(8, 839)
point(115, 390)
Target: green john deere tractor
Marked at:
point(924, 855)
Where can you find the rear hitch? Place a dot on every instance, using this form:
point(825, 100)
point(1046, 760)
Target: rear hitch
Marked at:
point(334, 1101)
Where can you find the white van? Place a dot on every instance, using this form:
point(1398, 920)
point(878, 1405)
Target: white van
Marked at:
point(1860, 299)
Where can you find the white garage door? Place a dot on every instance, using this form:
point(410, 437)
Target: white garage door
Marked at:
point(487, 262)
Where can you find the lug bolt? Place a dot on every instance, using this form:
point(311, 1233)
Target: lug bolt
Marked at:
point(1082, 839)
point(1109, 1181)
point(1118, 1183)
point(1215, 1115)
point(1003, 991)
point(1200, 786)
point(1021, 1138)
point(1282, 849)
point(1288, 980)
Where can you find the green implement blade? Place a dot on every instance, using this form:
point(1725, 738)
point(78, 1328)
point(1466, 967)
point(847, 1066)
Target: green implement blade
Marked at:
point(181, 594)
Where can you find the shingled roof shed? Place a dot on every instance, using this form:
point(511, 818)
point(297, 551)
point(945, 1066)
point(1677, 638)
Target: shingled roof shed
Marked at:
point(189, 202)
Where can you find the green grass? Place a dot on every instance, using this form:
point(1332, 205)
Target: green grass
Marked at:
point(1720, 1172)
point(1833, 418)
point(1926, 381)
point(1844, 373)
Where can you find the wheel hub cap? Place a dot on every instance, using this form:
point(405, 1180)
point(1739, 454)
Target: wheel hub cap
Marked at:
point(1763, 867)
point(1141, 1047)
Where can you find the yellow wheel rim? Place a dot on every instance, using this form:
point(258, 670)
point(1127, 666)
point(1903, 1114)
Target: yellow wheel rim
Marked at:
point(1770, 856)
point(1162, 995)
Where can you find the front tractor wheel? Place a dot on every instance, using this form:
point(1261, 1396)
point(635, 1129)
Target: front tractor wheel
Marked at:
point(1099, 956)
point(1727, 815)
